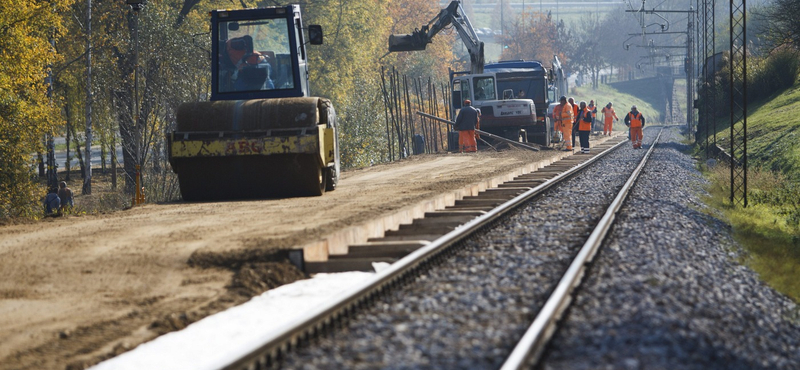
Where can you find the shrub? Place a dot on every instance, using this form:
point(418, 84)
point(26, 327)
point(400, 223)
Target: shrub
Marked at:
point(776, 72)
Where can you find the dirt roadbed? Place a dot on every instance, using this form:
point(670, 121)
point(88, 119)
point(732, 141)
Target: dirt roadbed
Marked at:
point(77, 290)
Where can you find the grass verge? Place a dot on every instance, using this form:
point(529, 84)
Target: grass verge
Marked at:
point(768, 229)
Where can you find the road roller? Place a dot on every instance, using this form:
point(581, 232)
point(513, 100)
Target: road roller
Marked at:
point(260, 134)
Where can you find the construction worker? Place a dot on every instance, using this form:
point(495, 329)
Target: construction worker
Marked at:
point(635, 120)
point(466, 121)
point(575, 110)
point(565, 117)
point(556, 119)
point(571, 102)
point(584, 126)
point(592, 108)
point(609, 115)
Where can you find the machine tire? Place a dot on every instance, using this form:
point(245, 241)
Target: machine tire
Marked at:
point(330, 179)
point(548, 134)
point(313, 177)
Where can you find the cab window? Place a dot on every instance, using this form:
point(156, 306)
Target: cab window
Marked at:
point(484, 88)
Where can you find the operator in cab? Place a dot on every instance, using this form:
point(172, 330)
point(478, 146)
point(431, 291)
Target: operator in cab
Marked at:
point(248, 69)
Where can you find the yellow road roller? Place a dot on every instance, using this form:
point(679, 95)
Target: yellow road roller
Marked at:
point(261, 135)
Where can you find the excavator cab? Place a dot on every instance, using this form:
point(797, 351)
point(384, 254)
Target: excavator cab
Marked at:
point(261, 135)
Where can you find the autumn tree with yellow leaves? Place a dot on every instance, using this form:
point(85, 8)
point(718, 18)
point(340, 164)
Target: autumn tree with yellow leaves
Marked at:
point(27, 114)
point(537, 36)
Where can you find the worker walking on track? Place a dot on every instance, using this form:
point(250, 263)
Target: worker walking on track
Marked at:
point(584, 126)
point(466, 122)
point(564, 115)
point(635, 120)
point(609, 115)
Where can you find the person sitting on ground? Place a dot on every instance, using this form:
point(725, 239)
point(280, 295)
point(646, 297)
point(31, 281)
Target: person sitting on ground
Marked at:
point(51, 202)
point(65, 194)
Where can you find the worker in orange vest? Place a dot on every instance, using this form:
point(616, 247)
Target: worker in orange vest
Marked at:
point(592, 108)
point(584, 120)
point(466, 122)
point(574, 118)
point(565, 117)
point(609, 115)
point(635, 120)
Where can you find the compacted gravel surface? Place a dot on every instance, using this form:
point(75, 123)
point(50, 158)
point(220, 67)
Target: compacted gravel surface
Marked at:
point(469, 311)
point(667, 292)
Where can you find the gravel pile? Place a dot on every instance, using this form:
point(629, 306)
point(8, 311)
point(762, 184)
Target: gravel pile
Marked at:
point(469, 312)
point(666, 292)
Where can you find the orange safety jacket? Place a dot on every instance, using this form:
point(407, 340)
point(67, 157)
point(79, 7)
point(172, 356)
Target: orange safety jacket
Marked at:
point(609, 114)
point(592, 109)
point(585, 122)
point(567, 116)
point(636, 120)
point(557, 116)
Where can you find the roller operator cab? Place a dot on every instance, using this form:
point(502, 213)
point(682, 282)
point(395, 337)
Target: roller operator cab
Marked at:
point(261, 135)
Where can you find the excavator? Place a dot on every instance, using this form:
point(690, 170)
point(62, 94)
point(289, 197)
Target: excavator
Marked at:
point(261, 134)
point(503, 112)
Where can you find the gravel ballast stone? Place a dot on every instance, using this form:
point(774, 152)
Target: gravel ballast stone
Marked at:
point(667, 292)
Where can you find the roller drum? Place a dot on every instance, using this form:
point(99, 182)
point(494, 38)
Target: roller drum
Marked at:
point(229, 177)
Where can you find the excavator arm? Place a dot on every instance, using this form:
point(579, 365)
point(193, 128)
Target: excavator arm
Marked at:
point(452, 15)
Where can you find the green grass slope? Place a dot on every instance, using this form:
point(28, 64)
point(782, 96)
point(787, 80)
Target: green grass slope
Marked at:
point(773, 132)
point(769, 228)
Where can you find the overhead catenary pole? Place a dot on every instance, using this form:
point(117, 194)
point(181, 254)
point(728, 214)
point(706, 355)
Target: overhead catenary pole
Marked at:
point(738, 95)
point(689, 69)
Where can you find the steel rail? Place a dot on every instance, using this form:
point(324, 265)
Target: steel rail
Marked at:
point(533, 342)
point(276, 344)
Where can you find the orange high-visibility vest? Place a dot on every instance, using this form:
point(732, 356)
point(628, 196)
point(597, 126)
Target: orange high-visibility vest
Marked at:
point(593, 110)
point(636, 120)
point(582, 124)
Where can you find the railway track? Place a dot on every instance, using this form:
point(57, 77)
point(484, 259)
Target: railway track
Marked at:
point(465, 298)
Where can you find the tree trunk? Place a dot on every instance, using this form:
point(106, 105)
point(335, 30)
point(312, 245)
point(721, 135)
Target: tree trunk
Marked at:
point(128, 137)
point(78, 151)
point(40, 160)
point(114, 161)
point(67, 161)
point(124, 104)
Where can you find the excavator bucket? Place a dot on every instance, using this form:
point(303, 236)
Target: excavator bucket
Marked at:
point(406, 43)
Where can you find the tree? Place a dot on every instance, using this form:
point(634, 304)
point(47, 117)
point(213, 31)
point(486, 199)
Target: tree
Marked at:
point(532, 36)
point(173, 68)
point(26, 112)
point(784, 16)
